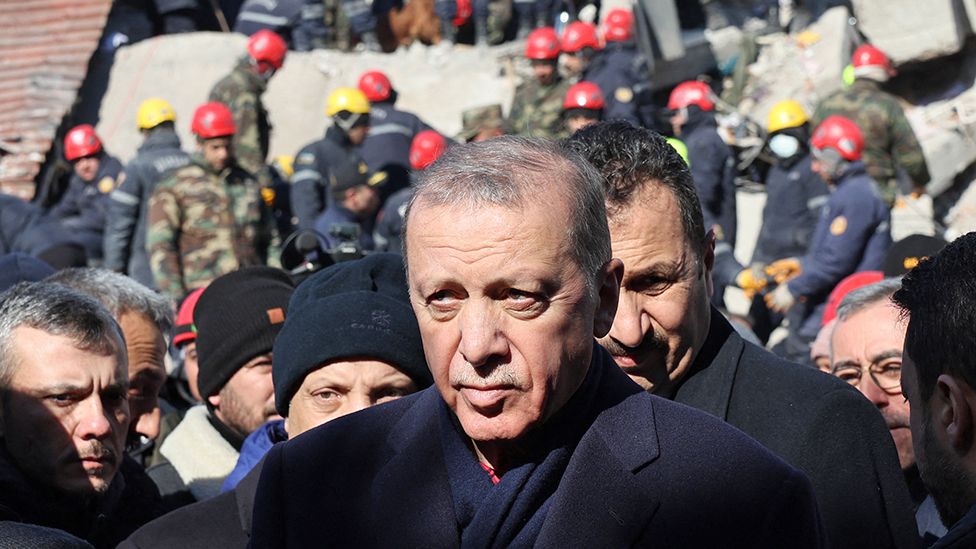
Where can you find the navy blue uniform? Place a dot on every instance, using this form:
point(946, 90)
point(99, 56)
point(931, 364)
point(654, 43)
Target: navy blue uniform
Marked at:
point(852, 235)
point(387, 145)
point(795, 196)
point(339, 214)
point(389, 223)
point(713, 170)
point(128, 206)
point(280, 16)
point(620, 72)
point(310, 182)
point(83, 207)
point(24, 228)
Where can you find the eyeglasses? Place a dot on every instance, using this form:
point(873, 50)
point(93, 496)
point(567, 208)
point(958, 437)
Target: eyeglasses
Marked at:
point(886, 375)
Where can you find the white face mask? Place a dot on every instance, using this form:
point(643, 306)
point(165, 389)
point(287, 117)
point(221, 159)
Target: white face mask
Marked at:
point(784, 146)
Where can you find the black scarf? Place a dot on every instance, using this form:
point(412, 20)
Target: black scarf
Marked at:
point(511, 513)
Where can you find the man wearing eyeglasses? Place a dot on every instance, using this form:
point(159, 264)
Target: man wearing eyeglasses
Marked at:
point(866, 351)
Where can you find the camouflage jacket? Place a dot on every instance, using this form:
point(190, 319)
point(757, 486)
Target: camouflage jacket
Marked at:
point(537, 110)
point(889, 142)
point(241, 91)
point(204, 224)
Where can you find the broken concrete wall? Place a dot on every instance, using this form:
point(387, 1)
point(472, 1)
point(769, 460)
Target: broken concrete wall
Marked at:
point(910, 30)
point(183, 68)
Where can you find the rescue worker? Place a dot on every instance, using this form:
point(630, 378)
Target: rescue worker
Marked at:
point(427, 147)
point(82, 208)
point(582, 106)
point(533, 14)
point(481, 123)
point(207, 218)
point(892, 155)
point(350, 113)
point(282, 17)
point(128, 207)
point(391, 131)
point(537, 105)
point(241, 92)
point(851, 235)
point(795, 196)
point(355, 201)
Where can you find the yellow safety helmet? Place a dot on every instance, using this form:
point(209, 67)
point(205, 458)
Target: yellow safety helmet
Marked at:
point(786, 114)
point(679, 146)
point(153, 112)
point(346, 99)
point(286, 163)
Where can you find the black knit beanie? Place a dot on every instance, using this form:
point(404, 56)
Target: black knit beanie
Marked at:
point(349, 310)
point(237, 319)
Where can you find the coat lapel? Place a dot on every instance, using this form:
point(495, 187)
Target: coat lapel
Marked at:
point(411, 493)
point(709, 385)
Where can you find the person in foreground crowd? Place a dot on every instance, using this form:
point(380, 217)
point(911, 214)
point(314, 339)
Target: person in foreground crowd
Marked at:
point(351, 341)
point(237, 318)
point(866, 352)
point(531, 436)
point(939, 380)
point(64, 417)
point(671, 342)
point(144, 317)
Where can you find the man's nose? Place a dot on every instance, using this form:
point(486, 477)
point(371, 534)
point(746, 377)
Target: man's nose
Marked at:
point(94, 423)
point(870, 389)
point(481, 338)
point(628, 325)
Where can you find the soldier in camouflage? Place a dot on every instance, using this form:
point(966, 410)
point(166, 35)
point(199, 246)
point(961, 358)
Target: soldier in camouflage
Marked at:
point(207, 218)
point(481, 123)
point(538, 104)
point(892, 155)
point(241, 91)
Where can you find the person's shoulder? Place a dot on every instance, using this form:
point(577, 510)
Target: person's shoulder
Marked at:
point(214, 522)
point(805, 383)
point(183, 176)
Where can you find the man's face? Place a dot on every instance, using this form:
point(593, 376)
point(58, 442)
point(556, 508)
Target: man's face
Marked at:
point(247, 400)
point(191, 366)
point(575, 63)
point(363, 200)
point(65, 416)
point(678, 120)
point(663, 314)
point(486, 134)
point(217, 152)
point(87, 168)
point(504, 312)
point(543, 71)
point(145, 348)
point(341, 388)
point(574, 123)
point(871, 341)
point(357, 134)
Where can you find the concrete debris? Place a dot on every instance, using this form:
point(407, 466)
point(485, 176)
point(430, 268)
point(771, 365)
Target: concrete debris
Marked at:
point(908, 30)
point(182, 69)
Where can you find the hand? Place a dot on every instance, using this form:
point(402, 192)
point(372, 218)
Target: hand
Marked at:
point(752, 280)
point(784, 270)
point(781, 299)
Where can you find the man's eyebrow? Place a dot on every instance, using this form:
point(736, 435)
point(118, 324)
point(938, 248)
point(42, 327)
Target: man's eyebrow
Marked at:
point(61, 388)
point(845, 364)
point(885, 355)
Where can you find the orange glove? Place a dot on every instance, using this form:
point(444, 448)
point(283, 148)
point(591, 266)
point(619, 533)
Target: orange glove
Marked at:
point(752, 280)
point(784, 270)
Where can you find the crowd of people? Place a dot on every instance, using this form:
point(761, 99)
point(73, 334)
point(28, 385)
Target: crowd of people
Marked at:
point(516, 336)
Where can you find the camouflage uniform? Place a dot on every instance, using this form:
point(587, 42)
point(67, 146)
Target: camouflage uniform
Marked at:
point(889, 142)
point(204, 224)
point(537, 110)
point(241, 91)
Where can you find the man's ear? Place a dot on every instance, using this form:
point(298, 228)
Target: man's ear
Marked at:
point(708, 261)
point(608, 291)
point(214, 400)
point(953, 401)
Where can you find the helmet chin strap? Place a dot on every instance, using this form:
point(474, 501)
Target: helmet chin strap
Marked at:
point(348, 123)
point(833, 163)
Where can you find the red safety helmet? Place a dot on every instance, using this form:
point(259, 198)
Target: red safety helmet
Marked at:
point(579, 35)
point(184, 319)
point(691, 92)
point(265, 46)
point(542, 44)
point(376, 86)
point(584, 95)
point(840, 134)
point(427, 147)
point(213, 120)
point(618, 25)
point(464, 12)
point(80, 142)
point(869, 56)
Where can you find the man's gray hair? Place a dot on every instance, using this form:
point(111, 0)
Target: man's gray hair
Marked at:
point(508, 171)
point(118, 293)
point(864, 296)
point(56, 310)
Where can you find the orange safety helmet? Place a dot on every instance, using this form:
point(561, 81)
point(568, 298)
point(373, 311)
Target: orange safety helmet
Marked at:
point(542, 44)
point(618, 25)
point(584, 95)
point(80, 142)
point(427, 147)
point(375, 86)
point(691, 92)
point(840, 134)
point(213, 120)
point(579, 35)
point(266, 46)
